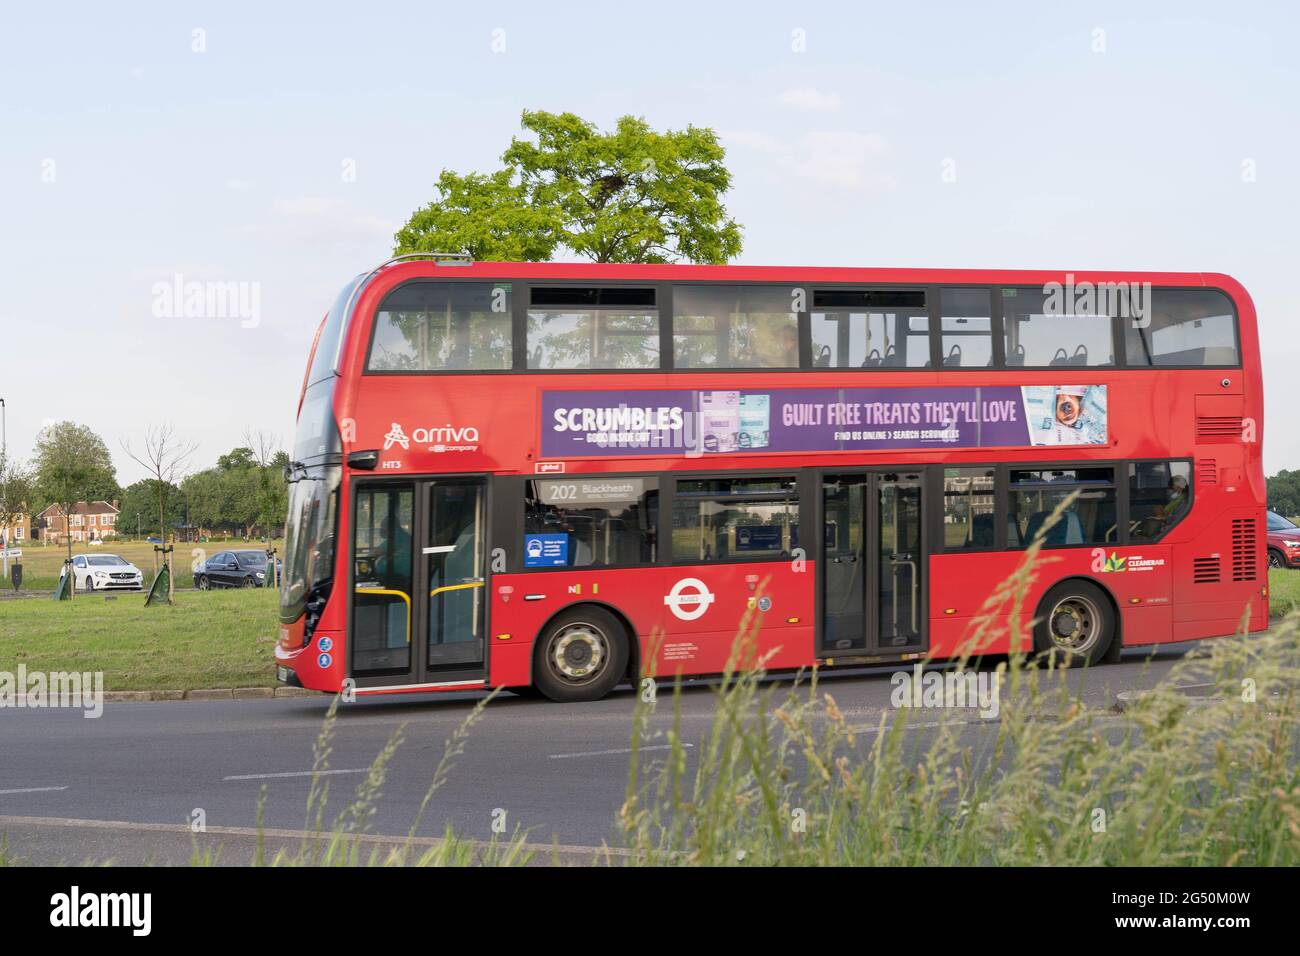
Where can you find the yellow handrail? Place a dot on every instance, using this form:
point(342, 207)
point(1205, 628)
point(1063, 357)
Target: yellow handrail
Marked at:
point(401, 594)
point(455, 587)
point(406, 598)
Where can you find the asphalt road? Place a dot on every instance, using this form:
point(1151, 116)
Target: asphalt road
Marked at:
point(123, 787)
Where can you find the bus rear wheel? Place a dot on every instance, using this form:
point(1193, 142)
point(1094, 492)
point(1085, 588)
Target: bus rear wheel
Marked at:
point(1076, 624)
point(581, 655)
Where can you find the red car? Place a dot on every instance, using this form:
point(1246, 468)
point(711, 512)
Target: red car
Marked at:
point(1283, 542)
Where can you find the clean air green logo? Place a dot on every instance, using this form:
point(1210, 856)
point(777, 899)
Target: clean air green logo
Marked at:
point(1103, 563)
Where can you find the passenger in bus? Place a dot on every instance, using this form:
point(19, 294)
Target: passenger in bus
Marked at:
point(1176, 503)
point(393, 548)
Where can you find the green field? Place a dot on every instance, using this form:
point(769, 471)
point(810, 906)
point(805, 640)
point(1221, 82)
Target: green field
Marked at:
point(212, 639)
point(1283, 590)
point(41, 564)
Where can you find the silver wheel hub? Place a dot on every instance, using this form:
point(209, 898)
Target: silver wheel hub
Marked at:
point(579, 651)
point(1075, 623)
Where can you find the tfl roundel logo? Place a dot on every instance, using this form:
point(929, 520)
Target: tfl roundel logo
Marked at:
point(689, 598)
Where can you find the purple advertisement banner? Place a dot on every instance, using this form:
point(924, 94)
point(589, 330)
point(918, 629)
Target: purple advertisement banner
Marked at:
point(577, 424)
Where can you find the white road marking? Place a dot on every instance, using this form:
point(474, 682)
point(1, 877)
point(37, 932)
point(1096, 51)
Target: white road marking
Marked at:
point(607, 753)
point(291, 773)
point(31, 790)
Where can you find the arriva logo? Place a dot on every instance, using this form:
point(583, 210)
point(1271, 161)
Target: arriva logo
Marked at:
point(447, 433)
point(444, 438)
point(396, 436)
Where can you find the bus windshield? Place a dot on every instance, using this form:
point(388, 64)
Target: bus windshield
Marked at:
point(309, 538)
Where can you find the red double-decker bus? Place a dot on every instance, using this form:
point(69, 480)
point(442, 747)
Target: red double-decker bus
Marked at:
point(564, 476)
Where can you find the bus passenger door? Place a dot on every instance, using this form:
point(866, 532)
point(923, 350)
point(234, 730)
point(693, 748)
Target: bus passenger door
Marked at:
point(900, 562)
point(873, 577)
point(418, 582)
point(455, 560)
point(383, 523)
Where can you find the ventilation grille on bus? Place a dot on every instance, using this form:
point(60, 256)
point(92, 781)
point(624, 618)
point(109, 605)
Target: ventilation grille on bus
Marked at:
point(1218, 427)
point(1207, 471)
point(1244, 558)
point(1205, 570)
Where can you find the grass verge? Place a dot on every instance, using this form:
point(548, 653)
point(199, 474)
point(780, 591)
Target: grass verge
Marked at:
point(1283, 590)
point(212, 639)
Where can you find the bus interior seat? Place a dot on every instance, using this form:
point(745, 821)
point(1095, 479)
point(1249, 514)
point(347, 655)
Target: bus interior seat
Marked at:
point(981, 531)
point(1067, 530)
point(581, 555)
point(823, 359)
point(1060, 357)
point(1016, 359)
point(1080, 356)
point(873, 360)
point(953, 358)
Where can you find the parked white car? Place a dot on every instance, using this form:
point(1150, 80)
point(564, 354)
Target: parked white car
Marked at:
point(104, 572)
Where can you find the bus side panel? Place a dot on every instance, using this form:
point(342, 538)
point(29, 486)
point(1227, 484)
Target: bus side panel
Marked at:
point(1222, 572)
point(1138, 578)
point(688, 642)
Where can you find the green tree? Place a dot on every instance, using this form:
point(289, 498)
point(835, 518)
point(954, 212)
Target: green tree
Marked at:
point(630, 195)
point(139, 508)
point(1284, 493)
point(17, 496)
point(241, 457)
point(269, 463)
point(72, 464)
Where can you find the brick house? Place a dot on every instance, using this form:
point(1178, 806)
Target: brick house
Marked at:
point(18, 533)
point(90, 521)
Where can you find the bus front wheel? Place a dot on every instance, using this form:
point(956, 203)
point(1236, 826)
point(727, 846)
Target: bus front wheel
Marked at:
point(1076, 624)
point(582, 655)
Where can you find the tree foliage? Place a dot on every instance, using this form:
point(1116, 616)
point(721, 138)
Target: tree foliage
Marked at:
point(17, 491)
point(139, 508)
point(1284, 493)
point(73, 464)
point(244, 492)
point(630, 195)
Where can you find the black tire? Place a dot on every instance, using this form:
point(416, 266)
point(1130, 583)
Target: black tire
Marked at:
point(1276, 559)
point(581, 655)
point(202, 583)
point(1076, 624)
point(88, 586)
point(248, 582)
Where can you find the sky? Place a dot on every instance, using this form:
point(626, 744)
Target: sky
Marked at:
point(282, 145)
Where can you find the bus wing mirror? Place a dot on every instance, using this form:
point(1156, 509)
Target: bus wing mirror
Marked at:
point(364, 460)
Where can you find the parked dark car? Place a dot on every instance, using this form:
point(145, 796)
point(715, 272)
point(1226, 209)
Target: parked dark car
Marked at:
point(1283, 542)
point(234, 569)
